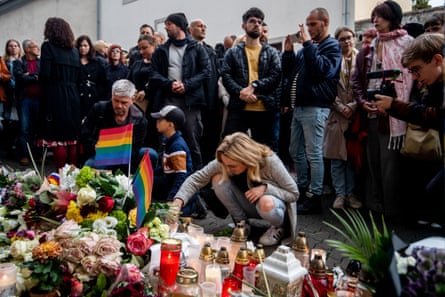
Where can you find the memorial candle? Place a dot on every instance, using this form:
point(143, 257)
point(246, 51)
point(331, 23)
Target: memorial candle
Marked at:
point(8, 276)
point(169, 264)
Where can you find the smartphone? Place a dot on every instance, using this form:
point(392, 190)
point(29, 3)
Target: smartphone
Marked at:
point(296, 37)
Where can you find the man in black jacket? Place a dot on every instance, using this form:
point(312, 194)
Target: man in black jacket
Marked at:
point(180, 69)
point(117, 112)
point(251, 73)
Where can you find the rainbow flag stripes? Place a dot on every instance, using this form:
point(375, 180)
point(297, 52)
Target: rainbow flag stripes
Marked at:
point(142, 187)
point(114, 146)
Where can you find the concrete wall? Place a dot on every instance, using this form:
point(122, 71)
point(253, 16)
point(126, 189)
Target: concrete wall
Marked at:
point(363, 8)
point(222, 17)
point(28, 20)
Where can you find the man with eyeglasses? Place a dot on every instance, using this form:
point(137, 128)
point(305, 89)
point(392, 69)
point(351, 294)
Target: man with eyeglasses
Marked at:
point(180, 69)
point(424, 59)
point(251, 73)
point(311, 77)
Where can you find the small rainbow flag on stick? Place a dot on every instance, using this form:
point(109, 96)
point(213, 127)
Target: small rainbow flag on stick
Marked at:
point(114, 146)
point(142, 187)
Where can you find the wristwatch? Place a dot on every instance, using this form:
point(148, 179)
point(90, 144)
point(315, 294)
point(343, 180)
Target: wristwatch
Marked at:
point(255, 84)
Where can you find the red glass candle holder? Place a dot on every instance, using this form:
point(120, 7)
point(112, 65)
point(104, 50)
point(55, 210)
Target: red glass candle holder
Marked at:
point(169, 264)
point(230, 284)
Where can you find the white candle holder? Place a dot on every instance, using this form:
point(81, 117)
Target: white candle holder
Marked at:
point(8, 279)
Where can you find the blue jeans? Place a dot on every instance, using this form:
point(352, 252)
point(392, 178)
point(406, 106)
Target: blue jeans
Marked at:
point(306, 145)
point(28, 114)
point(152, 153)
point(241, 209)
point(342, 177)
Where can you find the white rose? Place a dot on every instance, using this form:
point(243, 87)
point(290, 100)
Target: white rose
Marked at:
point(86, 196)
point(124, 182)
point(3, 211)
point(19, 249)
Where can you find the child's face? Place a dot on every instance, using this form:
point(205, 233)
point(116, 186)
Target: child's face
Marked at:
point(163, 125)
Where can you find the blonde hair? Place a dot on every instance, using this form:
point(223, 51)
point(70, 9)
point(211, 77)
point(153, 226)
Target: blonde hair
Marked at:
point(241, 148)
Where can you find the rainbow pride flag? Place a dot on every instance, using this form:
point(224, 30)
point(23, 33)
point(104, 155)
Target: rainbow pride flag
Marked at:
point(114, 146)
point(142, 187)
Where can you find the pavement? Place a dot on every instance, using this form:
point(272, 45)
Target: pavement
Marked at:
point(316, 231)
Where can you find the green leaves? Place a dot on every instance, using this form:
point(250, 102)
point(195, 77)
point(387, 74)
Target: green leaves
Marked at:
point(372, 247)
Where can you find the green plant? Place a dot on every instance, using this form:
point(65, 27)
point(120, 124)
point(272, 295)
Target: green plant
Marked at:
point(46, 266)
point(372, 247)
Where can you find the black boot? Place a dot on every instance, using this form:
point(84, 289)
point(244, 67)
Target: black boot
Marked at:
point(311, 205)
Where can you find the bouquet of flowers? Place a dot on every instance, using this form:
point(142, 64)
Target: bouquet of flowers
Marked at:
point(47, 267)
point(427, 276)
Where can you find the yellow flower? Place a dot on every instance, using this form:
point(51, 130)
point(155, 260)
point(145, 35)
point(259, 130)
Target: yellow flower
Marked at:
point(96, 215)
point(73, 212)
point(132, 217)
point(48, 249)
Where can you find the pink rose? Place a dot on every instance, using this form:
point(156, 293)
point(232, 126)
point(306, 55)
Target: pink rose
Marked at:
point(89, 264)
point(129, 273)
point(73, 255)
point(138, 243)
point(107, 245)
point(88, 242)
point(69, 229)
point(66, 243)
point(106, 204)
point(109, 264)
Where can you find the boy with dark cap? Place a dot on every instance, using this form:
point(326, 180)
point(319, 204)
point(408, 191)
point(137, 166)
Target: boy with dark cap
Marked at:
point(180, 69)
point(176, 160)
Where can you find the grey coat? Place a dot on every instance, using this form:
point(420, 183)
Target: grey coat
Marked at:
point(280, 184)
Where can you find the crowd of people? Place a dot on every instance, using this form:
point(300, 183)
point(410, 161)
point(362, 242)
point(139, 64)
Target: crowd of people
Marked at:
point(283, 125)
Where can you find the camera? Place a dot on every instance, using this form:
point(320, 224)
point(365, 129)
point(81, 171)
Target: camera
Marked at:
point(386, 87)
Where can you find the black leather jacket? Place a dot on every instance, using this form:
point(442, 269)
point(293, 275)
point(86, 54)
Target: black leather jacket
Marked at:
point(235, 75)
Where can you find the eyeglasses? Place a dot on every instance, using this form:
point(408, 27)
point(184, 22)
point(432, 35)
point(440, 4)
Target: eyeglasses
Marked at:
point(344, 39)
point(255, 21)
point(115, 51)
point(415, 70)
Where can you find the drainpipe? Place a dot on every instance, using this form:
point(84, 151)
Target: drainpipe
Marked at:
point(98, 19)
point(346, 12)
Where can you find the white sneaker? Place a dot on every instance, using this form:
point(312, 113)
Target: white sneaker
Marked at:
point(272, 236)
point(339, 202)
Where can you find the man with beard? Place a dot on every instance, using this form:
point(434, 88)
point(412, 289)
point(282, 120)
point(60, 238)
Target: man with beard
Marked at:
point(251, 73)
point(117, 112)
point(311, 77)
point(180, 69)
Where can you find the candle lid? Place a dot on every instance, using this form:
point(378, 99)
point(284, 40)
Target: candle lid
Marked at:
point(317, 267)
point(207, 253)
point(259, 255)
point(223, 256)
point(300, 244)
point(242, 257)
point(240, 232)
point(187, 276)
